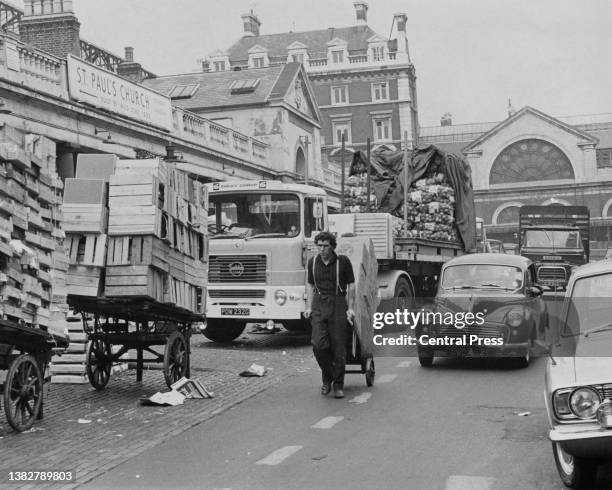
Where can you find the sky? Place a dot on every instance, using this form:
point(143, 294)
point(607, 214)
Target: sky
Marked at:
point(470, 56)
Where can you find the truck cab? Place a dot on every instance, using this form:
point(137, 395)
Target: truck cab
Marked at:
point(261, 234)
point(556, 238)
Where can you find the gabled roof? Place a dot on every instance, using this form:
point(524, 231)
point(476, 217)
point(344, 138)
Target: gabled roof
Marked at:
point(257, 49)
point(215, 87)
point(219, 52)
point(355, 36)
point(297, 45)
point(337, 42)
point(539, 114)
point(376, 38)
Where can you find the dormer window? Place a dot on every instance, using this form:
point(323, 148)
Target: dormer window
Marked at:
point(337, 56)
point(218, 61)
point(258, 57)
point(337, 51)
point(378, 53)
point(377, 49)
point(297, 52)
point(218, 65)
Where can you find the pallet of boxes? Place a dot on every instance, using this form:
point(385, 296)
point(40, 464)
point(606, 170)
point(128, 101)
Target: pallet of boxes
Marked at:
point(137, 232)
point(33, 260)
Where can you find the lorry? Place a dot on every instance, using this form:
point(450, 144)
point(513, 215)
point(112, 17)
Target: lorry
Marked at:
point(262, 235)
point(556, 238)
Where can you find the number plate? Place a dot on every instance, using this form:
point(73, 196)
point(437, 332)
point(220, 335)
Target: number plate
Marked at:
point(236, 311)
point(552, 257)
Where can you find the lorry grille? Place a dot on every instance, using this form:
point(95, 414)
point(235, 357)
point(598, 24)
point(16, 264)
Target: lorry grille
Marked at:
point(237, 268)
point(548, 273)
point(236, 293)
point(485, 330)
point(605, 391)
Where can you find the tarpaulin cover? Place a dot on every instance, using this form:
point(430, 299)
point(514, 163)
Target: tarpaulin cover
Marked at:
point(387, 181)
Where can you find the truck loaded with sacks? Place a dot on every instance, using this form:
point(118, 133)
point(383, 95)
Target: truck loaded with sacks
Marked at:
point(420, 214)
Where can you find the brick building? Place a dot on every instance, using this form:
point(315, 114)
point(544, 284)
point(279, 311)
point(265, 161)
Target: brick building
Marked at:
point(364, 83)
point(533, 158)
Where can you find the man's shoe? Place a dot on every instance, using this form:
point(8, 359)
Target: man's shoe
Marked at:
point(338, 392)
point(325, 389)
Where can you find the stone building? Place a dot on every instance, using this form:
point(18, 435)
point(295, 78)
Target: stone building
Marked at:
point(364, 83)
point(534, 158)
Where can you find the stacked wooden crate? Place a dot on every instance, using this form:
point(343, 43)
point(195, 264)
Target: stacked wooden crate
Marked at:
point(157, 235)
point(32, 290)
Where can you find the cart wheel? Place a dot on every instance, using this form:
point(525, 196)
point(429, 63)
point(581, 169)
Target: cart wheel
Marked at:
point(99, 362)
point(176, 358)
point(370, 371)
point(23, 392)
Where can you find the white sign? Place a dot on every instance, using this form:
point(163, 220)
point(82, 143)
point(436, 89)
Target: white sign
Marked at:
point(100, 88)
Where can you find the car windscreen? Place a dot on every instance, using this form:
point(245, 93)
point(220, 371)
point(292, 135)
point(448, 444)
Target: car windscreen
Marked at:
point(552, 238)
point(254, 215)
point(485, 276)
point(588, 306)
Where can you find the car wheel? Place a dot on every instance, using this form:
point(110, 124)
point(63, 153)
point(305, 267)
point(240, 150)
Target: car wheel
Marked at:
point(223, 330)
point(426, 358)
point(574, 472)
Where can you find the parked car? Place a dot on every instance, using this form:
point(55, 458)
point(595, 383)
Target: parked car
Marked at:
point(500, 293)
point(579, 377)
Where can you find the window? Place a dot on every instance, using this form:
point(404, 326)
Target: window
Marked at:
point(183, 91)
point(337, 56)
point(340, 95)
point(244, 86)
point(379, 91)
point(382, 129)
point(340, 128)
point(604, 157)
point(378, 53)
point(297, 58)
point(219, 65)
point(258, 62)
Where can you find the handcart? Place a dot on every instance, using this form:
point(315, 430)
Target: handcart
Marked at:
point(115, 326)
point(360, 355)
point(25, 353)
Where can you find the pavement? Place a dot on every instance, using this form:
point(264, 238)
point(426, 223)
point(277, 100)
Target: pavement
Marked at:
point(90, 432)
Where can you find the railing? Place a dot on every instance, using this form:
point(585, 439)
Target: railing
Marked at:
point(105, 59)
point(362, 58)
point(10, 18)
point(204, 132)
point(321, 64)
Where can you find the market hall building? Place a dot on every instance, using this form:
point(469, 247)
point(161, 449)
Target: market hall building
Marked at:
point(532, 158)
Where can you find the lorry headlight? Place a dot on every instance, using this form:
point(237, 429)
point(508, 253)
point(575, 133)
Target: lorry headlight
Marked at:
point(280, 297)
point(584, 402)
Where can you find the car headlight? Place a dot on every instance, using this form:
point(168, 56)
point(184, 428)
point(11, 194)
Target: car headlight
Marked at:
point(584, 402)
point(280, 297)
point(515, 317)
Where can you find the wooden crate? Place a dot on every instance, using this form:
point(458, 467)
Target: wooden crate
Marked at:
point(138, 250)
point(83, 280)
point(84, 218)
point(86, 249)
point(136, 281)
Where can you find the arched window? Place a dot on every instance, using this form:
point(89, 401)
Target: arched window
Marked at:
point(300, 162)
point(508, 215)
point(530, 160)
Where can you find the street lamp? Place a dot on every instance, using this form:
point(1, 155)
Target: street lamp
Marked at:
point(305, 141)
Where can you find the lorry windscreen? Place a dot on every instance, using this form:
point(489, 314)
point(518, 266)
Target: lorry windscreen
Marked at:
point(552, 238)
point(253, 214)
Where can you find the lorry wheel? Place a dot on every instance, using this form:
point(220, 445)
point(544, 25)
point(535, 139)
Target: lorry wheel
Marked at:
point(403, 292)
point(574, 472)
point(219, 330)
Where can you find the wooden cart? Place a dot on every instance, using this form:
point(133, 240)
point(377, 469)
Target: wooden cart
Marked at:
point(118, 325)
point(25, 353)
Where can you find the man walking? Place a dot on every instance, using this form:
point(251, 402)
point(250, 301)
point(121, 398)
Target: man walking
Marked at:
point(329, 305)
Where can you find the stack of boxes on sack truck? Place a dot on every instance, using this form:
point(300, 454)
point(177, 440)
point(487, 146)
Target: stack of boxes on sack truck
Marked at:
point(33, 261)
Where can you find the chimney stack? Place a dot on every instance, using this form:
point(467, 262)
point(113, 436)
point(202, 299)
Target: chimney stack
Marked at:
point(361, 12)
point(251, 24)
point(129, 68)
point(50, 25)
point(402, 38)
point(446, 119)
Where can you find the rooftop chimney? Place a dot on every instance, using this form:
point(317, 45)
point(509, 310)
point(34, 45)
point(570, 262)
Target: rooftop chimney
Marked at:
point(446, 119)
point(50, 25)
point(129, 68)
point(402, 39)
point(361, 11)
point(251, 24)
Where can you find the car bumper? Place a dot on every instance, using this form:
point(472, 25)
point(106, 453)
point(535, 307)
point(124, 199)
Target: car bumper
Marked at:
point(584, 441)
